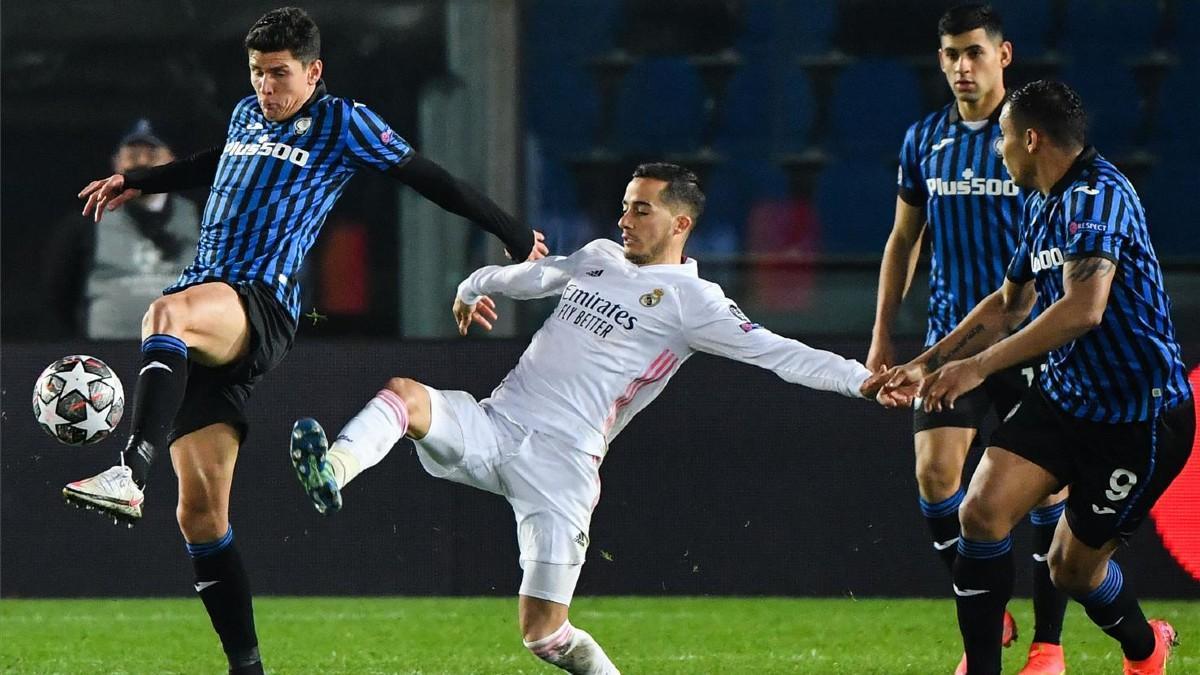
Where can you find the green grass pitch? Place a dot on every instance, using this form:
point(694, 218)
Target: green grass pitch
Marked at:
point(479, 635)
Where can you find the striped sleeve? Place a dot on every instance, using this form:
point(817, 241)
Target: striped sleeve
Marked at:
point(1020, 268)
point(910, 184)
point(371, 143)
point(1099, 223)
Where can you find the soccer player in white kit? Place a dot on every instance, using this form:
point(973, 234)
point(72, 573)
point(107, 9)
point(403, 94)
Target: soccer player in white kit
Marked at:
point(627, 318)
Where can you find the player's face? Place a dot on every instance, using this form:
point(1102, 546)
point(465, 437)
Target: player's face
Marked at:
point(282, 82)
point(1016, 156)
point(647, 224)
point(140, 156)
point(973, 63)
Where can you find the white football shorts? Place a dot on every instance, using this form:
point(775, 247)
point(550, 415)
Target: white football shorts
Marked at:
point(552, 486)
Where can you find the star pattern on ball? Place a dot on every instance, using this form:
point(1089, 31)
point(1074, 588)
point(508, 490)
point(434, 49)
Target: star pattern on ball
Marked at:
point(49, 416)
point(78, 379)
point(96, 422)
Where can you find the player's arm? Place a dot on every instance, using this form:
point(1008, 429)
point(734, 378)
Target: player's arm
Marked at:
point(1086, 286)
point(895, 278)
point(1086, 281)
point(523, 281)
point(437, 185)
point(1100, 223)
point(995, 317)
point(110, 193)
point(715, 325)
point(369, 142)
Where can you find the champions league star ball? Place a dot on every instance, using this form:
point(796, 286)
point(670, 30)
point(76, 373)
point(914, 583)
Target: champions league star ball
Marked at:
point(78, 400)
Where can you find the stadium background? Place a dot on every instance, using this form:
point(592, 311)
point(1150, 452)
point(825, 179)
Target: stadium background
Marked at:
point(732, 483)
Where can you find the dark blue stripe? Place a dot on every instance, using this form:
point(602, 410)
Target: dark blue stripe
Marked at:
point(1107, 591)
point(983, 550)
point(164, 343)
point(943, 508)
point(203, 550)
point(1047, 515)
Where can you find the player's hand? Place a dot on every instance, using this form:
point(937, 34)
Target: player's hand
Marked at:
point(107, 193)
point(540, 250)
point(874, 387)
point(941, 389)
point(482, 313)
point(881, 354)
point(907, 376)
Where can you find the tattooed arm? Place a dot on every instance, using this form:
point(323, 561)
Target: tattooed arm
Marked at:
point(993, 318)
point(1086, 284)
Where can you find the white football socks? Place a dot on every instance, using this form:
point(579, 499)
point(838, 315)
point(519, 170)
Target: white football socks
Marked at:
point(368, 437)
point(573, 650)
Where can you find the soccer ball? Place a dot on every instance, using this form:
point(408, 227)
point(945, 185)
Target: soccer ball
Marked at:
point(78, 400)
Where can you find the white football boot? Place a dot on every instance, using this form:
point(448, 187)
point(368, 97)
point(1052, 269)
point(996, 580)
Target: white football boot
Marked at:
point(111, 492)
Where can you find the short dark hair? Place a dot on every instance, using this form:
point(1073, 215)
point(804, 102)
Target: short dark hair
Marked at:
point(1051, 107)
point(683, 187)
point(969, 16)
point(286, 28)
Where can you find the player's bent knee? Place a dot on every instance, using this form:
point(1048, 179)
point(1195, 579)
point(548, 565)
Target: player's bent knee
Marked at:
point(980, 520)
point(409, 390)
point(164, 315)
point(199, 523)
point(938, 478)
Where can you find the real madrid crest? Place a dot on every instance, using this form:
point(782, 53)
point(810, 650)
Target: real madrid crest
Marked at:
point(300, 127)
point(652, 298)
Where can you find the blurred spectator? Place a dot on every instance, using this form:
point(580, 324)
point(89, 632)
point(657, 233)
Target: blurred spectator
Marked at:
point(100, 278)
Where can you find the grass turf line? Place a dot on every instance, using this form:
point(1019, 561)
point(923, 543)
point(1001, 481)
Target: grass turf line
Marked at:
point(479, 635)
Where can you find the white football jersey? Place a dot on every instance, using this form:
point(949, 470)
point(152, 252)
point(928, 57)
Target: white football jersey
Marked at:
point(620, 332)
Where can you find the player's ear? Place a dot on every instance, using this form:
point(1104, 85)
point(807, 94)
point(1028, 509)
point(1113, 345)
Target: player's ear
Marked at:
point(314, 71)
point(1006, 53)
point(683, 223)
point(1032, 140)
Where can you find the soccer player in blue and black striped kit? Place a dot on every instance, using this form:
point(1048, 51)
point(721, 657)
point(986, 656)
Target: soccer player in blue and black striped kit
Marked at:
point(1112, 416)
point(953, 188)
point(232, 315)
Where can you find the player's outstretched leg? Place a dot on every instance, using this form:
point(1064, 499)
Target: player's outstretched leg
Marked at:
point(309, 448)
point(158, 394)
point(324, 469)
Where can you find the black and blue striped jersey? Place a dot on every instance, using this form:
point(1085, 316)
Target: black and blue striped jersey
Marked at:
point(1129, 367)
point(275, 183)
point(956, 174)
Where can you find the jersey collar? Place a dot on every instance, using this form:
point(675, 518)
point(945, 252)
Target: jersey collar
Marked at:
point(992, 118)
point(687, 268)
point(1082, 162)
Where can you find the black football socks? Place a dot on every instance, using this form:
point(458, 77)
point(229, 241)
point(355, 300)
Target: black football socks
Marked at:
point(223, 587)
point(1113, 608)
point(1049, 603)
point(942, 518)
point(983, 584)
point(161, 383)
